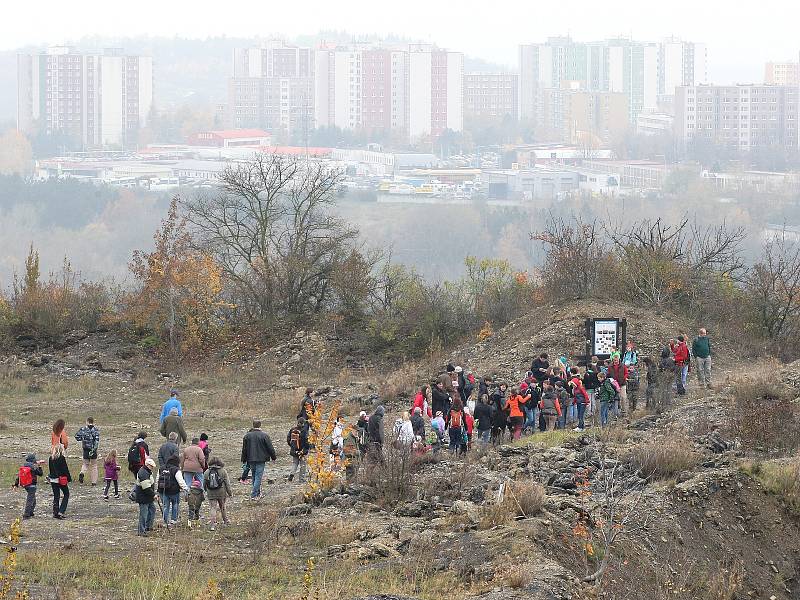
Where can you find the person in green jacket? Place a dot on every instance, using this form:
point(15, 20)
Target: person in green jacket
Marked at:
point(605, 396)
point(701, 350)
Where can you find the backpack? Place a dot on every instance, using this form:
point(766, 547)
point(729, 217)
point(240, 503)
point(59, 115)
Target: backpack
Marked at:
point(455, 418)
point(167, 484)
point(25, 476)
point(134, 456)
point(87, 439)
point(214, 480)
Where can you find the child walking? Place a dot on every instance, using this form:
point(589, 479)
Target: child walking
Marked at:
point(27, 479)
point(112, 470)
point(195, 501)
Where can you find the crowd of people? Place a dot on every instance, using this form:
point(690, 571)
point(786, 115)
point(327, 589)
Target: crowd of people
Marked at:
point(455, 411)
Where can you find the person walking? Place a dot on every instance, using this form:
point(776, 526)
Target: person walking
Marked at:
point(514, 405)
point(174, 424)
point(680, 354)
point(27, 478)
point(375, 430)
point(138, 453)
point(418, 423)
point(218, 490)
point(256, 451)
point(171, 482)
point(619, 373)
point(605, 397)
point(168, 449)
point(456, 426)
point(60, 479)
point(580, 395)
point(297, 439)
point(89, 437)
point(193, 463)
point(701, 350)
point(173, 402)
point(145, 496)
point(111, 474)
point(483, 416)
point(549, 406)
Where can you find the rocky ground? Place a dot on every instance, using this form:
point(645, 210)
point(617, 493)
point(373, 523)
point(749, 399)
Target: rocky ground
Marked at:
point(427, 531)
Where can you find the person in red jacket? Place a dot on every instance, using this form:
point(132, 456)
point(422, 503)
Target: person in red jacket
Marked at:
point(421, 402)
point(680, 353)
point(581, 396)
point(619, 372)
point(469, 423)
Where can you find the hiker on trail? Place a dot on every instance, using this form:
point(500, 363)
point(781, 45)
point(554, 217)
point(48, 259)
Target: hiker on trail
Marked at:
point(540, 367)
point(564, 402)
point(440, 399)
point(168, 449)
point(421, 402)
point(138, 453)
point(651, 370)
point(549, 406)
point(111, 474)
point(60, 478)
point(483, 415)
point(591, 383)
point(456, 426)
point(195, 502)
point(193, 463)
point(203, 443)
point(59, 436)
point(145, 495)
point(256, 451)
point(375, 429)
point(437, 427)
point(308, 405)
point(669, 378)
point(631, 357)
point(218, 490)
point(701, 350)
point(469, 425)
point(297, 439)
point(461, 382)
point(483, 387)
point(171, 482)
point(530, 387)
point(514, 405)
point(605, 397)
point(619, 373)
point(446, 379)
point(173, 402)
point(680, 354)
point(418, 423)
point(89, 437)
point(581, 397)
point(500, 421)
point(27, 478)
point(406, 434)
point(173, 423)
point(362, 426)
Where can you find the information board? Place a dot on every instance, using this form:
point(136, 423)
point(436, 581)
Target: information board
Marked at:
point(602, 335)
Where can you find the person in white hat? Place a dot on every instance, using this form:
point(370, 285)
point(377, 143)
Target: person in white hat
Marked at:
point(145, 495)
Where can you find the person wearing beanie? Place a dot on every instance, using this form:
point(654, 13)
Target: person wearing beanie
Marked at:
point(27, 479)
point(195, 501)
point(145, 494)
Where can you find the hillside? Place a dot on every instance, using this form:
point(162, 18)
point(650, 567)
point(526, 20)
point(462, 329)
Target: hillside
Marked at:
point(700, 518)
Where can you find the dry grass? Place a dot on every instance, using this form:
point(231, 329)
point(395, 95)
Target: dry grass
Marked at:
point(516, 577)
point(780, 479)
point(763, 416)
point(522, 498)
point(726, 582)
point(663, 458)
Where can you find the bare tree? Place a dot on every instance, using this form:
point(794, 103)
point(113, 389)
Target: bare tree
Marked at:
point(271, 229)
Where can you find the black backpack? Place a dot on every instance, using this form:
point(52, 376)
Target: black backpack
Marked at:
point(167, 483)
point(134, 456)
point(214, 480)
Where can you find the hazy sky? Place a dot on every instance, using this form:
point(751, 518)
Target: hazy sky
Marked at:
point(741, 36)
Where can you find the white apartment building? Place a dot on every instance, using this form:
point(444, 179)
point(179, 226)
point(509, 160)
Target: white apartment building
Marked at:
point(98, 100)
point(436, 91)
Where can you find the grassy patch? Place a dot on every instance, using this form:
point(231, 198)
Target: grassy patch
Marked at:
point(779, 479)
point(548, 439)
point(663, 458)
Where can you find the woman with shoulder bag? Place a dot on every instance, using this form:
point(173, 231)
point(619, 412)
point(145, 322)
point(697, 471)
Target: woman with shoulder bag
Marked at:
point(59, 480)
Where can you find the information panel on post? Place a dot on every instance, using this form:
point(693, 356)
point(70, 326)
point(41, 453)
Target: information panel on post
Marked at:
point(602, 335)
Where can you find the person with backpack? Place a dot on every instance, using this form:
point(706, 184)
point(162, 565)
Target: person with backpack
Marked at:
point(606, 394)
point(590, 384)
point(173, 402)
point(469, 426)
point(144, 494)
point(668, 376)
point(171, 483)
point(581, 397)
point(701, 350)
point(564, 401)
point(218, 490)
point(138, 453)
point(483, 416)
point(256, 451)
point(437, 428)
point(60, 479)
point(549, 406)
point(111, 474)
point(297, 439)
point(619, 373)
point(513, 406)
point(173, 423)
point(168, 449)
point(418, 423)
point(456, 424)
point(89, 437)
point(193, 462)
point(651, 370)
point(27, 479)
point(680, 354)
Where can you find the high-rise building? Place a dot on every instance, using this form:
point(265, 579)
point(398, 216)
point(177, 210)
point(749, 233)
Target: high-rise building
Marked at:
point(646, 72)
point(576, 116)
point(435, 92)
point(743, 117)
point(98, 100)
point(491, 95)
point(783, 73)
point(272, 88)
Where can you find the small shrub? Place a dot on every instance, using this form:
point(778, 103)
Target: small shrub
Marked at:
point(763, 417)
point(516, 577)
point(525, 497)
point(663, 458)
point(783, 480)
point(493, 515)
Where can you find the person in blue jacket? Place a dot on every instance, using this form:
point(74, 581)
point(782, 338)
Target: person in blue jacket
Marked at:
point(173, 402)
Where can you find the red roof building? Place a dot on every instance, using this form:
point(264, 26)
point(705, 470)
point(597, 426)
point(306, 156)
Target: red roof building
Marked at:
point(231, 138)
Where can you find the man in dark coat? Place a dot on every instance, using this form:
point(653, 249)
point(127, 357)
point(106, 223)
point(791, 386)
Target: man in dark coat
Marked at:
point(256, 451)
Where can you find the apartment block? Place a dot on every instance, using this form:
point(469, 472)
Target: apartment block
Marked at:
point(99, 100)
point(782, 73)
point(744, 117)
point(576, 116)
point(491, 95)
